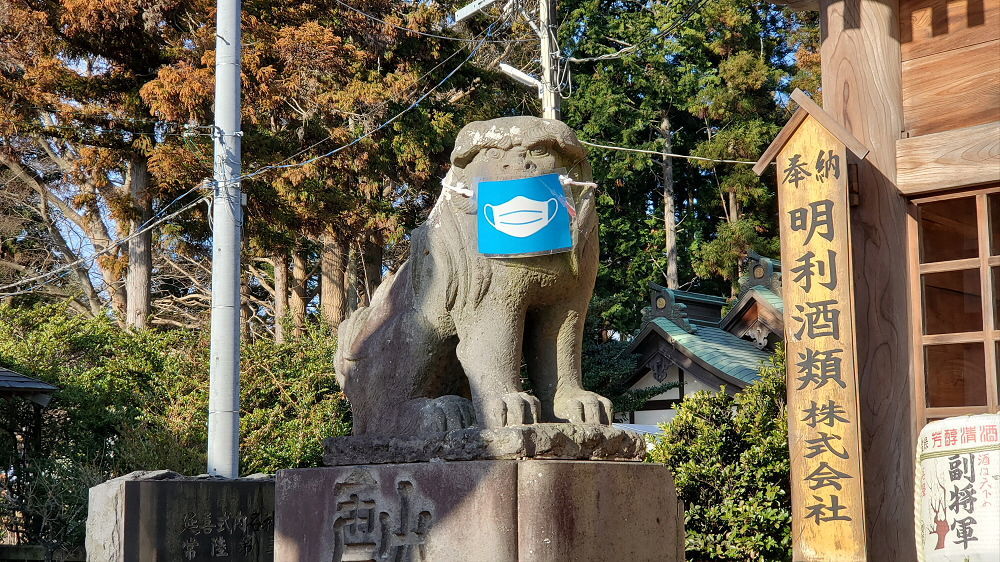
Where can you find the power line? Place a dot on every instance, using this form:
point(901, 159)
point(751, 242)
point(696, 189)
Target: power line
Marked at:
point(149, 225)
point(626, 50)
point(667, 154)
point(407, 91)
point(391, 120)
point(422, 33)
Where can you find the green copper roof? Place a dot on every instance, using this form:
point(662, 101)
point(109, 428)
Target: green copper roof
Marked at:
point(697, 297)
point(733, 356)
point(772, 298)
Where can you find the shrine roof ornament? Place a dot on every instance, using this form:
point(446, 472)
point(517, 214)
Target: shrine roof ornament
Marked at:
point(809, 108)
point(663, 304)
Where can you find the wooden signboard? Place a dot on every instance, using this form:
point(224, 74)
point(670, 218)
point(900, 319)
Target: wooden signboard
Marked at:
point(812, 160)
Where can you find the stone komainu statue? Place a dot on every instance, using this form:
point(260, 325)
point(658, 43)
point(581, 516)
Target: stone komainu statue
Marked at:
point(441, 345)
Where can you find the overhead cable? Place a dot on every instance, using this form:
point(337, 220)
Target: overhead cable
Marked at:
point(391, 120)
point(72, 265)
point(667, 154)
point(408, 87)
point(626, 50)
point(422, 33)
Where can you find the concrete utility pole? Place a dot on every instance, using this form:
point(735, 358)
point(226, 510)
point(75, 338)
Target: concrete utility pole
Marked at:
point(551, 101)
point(548, 86)
point(227, 225)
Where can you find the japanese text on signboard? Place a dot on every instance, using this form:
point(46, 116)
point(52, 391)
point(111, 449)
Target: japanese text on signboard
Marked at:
point(823, 419)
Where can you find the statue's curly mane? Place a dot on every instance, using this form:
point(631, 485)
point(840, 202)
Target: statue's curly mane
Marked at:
point(498, 133)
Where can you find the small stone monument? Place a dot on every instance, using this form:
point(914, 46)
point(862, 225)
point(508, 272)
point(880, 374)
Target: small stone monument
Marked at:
point(452, 458)
point(164, 516)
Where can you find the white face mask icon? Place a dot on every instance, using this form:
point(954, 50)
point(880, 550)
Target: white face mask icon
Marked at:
point(521, 217)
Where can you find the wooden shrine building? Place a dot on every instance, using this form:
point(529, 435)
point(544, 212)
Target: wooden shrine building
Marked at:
point(917, 84)
point(685, 339)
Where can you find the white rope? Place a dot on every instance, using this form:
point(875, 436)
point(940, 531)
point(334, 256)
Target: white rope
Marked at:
point(668, 154)
point(463, 191)
point(566, 180)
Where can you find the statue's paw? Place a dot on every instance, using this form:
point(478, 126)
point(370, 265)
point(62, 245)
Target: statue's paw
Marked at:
point(583, 407)
point(516, 408)
point(446, 413)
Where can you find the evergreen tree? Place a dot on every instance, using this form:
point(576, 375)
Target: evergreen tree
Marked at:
point(76, 135)
point(317, 77)
point(706, 79)
point(109, 119)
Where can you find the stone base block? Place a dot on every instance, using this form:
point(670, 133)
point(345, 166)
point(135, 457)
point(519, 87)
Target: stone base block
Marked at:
point(480, 511)
point(534, 441)
point(162, 516)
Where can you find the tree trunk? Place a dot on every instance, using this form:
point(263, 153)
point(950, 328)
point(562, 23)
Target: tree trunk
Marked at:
point(373, 254)
point(333, 290)
point(280, 295)
point(734, 207)
point(140, 253)
point(298, 297)
point(246, 307)
point(669, 213)
point(352, 281)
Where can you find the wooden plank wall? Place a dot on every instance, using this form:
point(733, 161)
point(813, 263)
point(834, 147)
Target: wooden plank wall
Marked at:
point(860, 54)
point(950, 53)
point(949, 159)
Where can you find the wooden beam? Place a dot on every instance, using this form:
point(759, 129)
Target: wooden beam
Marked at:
point(929, 27)
point(861, 74)
point(951, 265)
point(949, 159)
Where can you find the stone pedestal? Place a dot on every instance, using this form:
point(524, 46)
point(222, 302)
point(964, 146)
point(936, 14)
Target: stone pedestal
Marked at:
point(534, 441)
point(489, 511)
point(162, 516)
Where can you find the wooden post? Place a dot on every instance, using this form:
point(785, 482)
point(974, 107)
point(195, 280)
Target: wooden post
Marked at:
point(814, 155)
point(823, 422)
point(861, 69)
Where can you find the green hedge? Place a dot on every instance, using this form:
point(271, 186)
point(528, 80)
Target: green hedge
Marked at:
point(139, 401)
point(729, 455)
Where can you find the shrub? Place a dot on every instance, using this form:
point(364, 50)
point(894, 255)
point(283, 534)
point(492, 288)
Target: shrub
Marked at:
point(139, 401)
point(729, 456)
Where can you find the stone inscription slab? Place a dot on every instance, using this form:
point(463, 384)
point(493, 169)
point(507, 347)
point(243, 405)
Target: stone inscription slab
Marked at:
point(495, 511)
point(411, 512)
point(182, 520)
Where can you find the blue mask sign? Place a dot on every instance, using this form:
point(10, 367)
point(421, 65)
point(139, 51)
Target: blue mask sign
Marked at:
point(523, 217)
